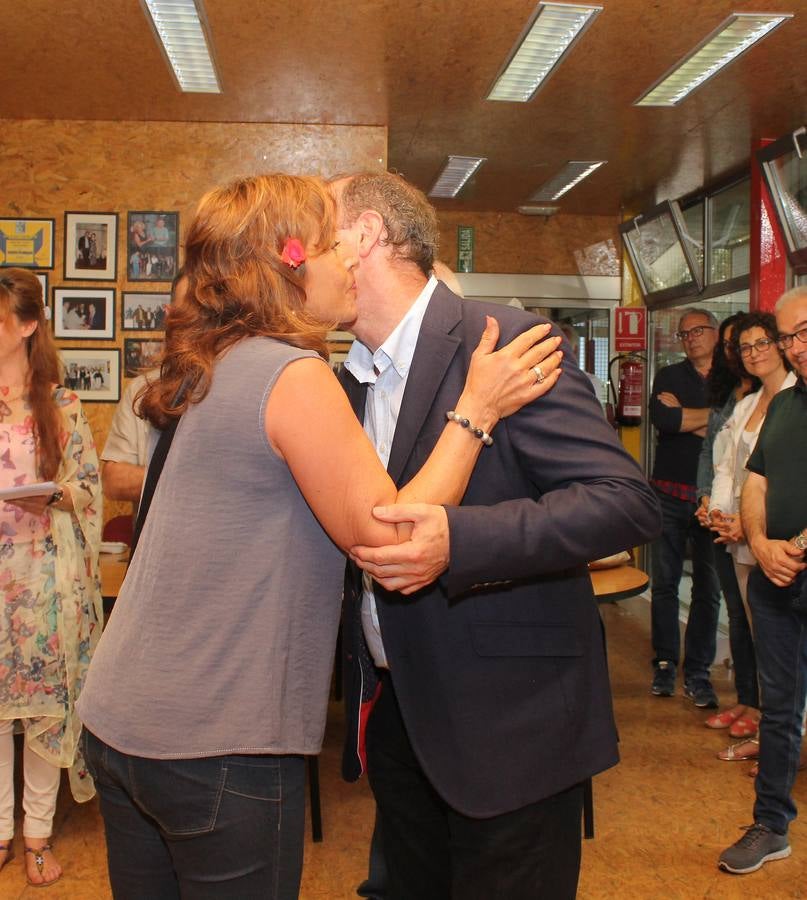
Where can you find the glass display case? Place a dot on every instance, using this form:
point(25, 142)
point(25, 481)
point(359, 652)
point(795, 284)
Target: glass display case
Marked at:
point(784, 167)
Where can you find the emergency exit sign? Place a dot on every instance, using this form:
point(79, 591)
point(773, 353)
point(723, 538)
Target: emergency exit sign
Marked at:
point(630, 328)
point(465, 248)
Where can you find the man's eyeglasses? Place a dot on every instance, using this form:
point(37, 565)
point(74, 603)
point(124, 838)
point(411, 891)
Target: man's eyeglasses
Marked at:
point(697, 331)
point(761, 346)
point(784, 341)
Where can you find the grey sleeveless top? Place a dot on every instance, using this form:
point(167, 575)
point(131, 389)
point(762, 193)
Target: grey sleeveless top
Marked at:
point(222, 639)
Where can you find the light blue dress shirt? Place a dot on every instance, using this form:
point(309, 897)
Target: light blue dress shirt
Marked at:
point(385, 373)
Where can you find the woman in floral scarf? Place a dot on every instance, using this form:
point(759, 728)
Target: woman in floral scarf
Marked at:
point(51, 600)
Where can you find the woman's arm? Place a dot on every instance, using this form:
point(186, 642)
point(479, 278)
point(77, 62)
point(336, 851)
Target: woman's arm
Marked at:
point(309, 424)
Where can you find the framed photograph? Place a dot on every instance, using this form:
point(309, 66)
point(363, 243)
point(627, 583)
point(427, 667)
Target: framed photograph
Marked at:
point(152, 245)
point(93, 374)
point(140, 354)
point(86, 314)
point(90, 246)
point(43, 280)
point(144, 312)
point(27, 243)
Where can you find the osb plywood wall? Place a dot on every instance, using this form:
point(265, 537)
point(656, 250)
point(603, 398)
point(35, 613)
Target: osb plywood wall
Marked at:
point(531, 245)
point(50, 167)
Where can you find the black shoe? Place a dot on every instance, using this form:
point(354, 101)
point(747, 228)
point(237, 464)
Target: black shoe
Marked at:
point(702, 694)
point(664, 680)
point(756, 847)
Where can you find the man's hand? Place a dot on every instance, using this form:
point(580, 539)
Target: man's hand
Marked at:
point(702, 512)
point(669, 399)
point(781, 561)
point(413, 564)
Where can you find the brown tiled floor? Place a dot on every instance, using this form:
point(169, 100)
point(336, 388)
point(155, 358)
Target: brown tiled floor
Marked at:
point(662, 816)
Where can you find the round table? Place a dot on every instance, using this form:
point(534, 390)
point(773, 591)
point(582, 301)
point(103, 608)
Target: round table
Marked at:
point(618, 583)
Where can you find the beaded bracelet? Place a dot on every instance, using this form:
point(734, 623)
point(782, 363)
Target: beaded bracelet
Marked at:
point(483, 436)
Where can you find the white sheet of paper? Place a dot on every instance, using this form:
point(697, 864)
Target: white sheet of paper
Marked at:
point(38, 489)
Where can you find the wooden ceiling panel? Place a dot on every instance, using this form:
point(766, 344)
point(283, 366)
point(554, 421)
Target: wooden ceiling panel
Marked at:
point(423, 69)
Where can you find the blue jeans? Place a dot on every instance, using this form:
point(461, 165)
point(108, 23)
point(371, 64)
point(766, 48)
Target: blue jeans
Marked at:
point(741, 639)
point(781, 642)
point(700, 638)
point(229, 827)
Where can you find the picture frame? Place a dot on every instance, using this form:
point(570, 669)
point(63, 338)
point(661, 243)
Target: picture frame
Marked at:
point(86, 314)
point(94, 374)
point(27, 243)
point(140, 355)
point(43, 280)
point(152, 245)
point(90, 246)
point(144, 311)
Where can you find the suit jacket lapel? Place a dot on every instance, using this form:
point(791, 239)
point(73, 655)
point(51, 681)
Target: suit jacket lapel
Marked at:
point(356, 393)
point(434, 351)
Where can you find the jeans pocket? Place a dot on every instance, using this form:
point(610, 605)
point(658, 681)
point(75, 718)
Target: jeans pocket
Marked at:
point(182, 795)
point(255, 778)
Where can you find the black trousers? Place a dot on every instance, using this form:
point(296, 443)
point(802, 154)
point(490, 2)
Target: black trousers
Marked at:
point(435, 853)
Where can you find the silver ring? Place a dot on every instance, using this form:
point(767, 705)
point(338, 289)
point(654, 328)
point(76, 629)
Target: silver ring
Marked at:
point(539, 374)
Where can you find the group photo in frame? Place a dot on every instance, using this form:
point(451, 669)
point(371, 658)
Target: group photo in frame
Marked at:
point(90, 246)
point(27, 243)
point(140, 355)
point(152, 245)
point(86, 314)
point(144, 311)
point(93, 374)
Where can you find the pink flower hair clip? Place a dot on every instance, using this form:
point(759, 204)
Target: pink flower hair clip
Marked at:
point(293, 254)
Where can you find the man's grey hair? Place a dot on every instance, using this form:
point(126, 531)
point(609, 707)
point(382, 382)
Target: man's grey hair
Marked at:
point(409, 219)
point(697, 311)
point(796, 293)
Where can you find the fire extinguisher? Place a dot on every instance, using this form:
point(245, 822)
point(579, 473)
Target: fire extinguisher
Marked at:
point(628, 398)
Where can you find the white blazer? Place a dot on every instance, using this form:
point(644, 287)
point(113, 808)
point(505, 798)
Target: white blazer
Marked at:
point(729, 478)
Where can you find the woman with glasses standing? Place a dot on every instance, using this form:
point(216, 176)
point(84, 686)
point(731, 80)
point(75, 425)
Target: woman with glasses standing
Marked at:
point(761, 358)
point(727, 384)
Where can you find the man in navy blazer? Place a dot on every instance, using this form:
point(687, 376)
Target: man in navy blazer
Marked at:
point(485, 693)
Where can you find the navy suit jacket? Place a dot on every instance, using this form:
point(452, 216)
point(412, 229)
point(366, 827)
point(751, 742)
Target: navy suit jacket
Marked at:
point(499, 666)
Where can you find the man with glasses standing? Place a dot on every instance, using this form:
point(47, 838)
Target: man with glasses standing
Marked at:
point(774, 515)
point(679, 412)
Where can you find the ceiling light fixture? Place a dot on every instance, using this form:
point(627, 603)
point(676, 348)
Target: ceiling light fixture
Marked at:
point(728, 41)
point(455, 175)
point(181, 28)
point(570, 175)
point(532, 210)
point(549, 34)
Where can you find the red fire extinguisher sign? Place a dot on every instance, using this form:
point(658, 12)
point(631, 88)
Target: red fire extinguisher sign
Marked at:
point(630, 328)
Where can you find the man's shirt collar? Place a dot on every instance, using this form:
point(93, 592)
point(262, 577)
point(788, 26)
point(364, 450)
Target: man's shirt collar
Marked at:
point(398, 349)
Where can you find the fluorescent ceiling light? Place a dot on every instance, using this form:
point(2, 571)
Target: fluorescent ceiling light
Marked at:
point(551, 31)
point(739, 32)
point(455, 175)
point(178, 24)
point(533, 210)
point(570, 175)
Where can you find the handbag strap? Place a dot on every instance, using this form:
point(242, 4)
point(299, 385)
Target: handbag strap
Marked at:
point(154, 470)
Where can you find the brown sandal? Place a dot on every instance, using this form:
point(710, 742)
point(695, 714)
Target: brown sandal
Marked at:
point(39, 861)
